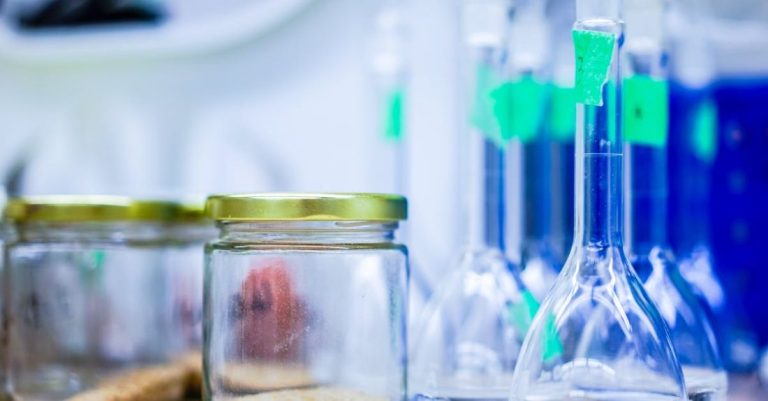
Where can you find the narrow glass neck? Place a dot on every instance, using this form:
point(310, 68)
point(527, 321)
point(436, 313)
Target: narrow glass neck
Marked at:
point(648, 193)
point(647, 187)
point(599, 158)
point(484, 154)
point(538, 190)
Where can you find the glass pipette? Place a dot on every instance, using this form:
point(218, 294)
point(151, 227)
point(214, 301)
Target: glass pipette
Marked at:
point(597, 335)
point(527, 95)
point(475, 323)
point(645, 128)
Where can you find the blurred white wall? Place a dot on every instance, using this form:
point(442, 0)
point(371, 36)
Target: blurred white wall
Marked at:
point(292, 109)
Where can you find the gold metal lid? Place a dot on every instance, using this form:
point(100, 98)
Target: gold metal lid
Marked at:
point(78, 208)
point(307, 207)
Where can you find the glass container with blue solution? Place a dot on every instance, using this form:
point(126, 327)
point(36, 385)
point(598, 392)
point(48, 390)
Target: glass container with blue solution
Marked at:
point(561, 122)
point(389, 66)
point(598, 335)
point(475, 323)
point(526, 94)
point(645, 128)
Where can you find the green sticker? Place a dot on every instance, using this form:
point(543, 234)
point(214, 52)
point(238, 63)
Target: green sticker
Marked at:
point(594, 52)
point(562, 113)
point(552, 347)
point(483, 118)
point(705, 132)
point(519, 107)
point(521, 314)
point(646, 110)
point(393, 124)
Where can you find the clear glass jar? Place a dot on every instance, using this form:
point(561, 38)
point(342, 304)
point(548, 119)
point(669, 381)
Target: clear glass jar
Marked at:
point(92, 299)
point(305, 297)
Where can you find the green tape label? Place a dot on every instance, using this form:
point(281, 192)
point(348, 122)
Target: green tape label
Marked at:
point(519, 107)
point(552, 347)
point(646, 110)
point(562, 113)
point(393, 123)
point(594, 52)
point(483, 116)
point(521, 314)
point(705, 132)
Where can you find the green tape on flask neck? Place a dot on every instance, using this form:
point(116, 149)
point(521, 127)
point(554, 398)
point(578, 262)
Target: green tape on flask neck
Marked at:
point(562, 113)
point(483, 116)
point(594, 52)
point(393, 123)
point(519, 107)
point(645, 111)
point(704, 131)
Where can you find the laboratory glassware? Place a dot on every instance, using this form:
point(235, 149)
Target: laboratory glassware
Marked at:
point(91, 298)
point(561, 120)
point(474, 325)
point(528, 65)
point(389, 65)
point(645, 129)
point(597, 335)
point(305, 297)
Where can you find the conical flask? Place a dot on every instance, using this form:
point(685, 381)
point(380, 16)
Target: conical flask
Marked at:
point(597, 335)
point(475, 323)
point(645, 128)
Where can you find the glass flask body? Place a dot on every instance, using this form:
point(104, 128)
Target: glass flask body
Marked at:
point(646, 129)
point(305, 309)
point(87, 301)
point(597, 335)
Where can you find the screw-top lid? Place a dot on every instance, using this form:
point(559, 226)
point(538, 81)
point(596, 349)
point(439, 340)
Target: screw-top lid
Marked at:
point(307, 207)
point(98, 208)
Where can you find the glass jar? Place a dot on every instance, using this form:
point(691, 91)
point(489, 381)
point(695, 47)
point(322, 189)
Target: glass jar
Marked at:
point(305, 298)
point(92, 299)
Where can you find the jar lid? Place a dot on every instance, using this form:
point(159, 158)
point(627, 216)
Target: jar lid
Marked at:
point(307, 207)
point(98, 208)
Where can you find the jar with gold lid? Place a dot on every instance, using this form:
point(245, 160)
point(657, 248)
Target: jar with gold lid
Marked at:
point(305, 298)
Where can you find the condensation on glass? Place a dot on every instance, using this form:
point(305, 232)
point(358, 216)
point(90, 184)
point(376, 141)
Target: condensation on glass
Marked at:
point(96, 294)
point(305, 298)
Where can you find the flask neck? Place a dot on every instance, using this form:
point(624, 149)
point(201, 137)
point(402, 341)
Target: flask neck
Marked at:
point(599, 158)
point(484, 150)
point(648, 192)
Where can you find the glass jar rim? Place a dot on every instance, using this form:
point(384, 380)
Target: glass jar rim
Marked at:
point(307, 207)
point(100, 209)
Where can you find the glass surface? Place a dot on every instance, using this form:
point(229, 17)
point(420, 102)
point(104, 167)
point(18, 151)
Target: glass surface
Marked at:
point(84, 306)
point(647, 198)
point(305, 309)
point(473, 326)
point(598, 336)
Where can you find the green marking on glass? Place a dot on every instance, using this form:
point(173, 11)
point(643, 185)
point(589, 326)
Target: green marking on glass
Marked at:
point(483, 117)
point(705, 132)
point(393, 128)
point(92, 266)
point(646, 110)
point(562, 113)
point(519, 107)
point(594, 52)
point(552, 347)
point(521, 314)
